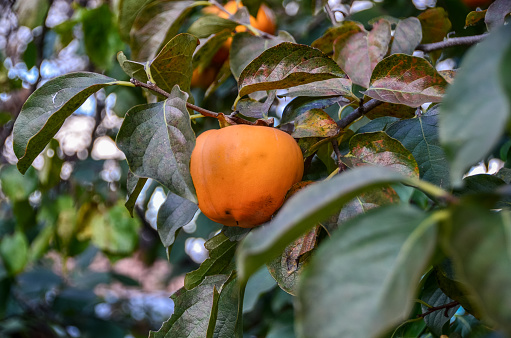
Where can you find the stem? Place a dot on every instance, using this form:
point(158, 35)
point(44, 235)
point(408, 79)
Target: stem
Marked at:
point(196, 116)
point(338, 154)
point(330, 13)
point(436, 308)
point(459, 41)
point(358, 113)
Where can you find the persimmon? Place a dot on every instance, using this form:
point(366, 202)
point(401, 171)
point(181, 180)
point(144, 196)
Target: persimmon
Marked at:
point(242, 173)
point(205, 78)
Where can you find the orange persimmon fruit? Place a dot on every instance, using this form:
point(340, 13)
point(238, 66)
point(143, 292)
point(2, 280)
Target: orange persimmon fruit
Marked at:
point(242, 173)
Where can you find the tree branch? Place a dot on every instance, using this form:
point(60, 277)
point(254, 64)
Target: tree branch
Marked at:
point(459, 41)
point(436, 308)
point(232, 119)
point(358, 113)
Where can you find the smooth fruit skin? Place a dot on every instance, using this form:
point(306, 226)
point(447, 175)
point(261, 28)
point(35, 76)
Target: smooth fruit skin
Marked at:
point(241, 173)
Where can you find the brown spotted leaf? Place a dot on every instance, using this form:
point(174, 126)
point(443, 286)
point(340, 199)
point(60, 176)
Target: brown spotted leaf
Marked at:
point(173, 65)
point(314, 123)
point(406, 79)
point(286, 65)
point(474, 17)
point(345, 29)
point(380, 149)
point(435, 26)
point(407, 36)
point(357, 54)
point(448, 75)
point(331, 87)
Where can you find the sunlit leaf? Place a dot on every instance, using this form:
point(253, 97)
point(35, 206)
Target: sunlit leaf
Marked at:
point(474, 17)
point(314, 123)
point(47, 108)
point(158, 140)
point(330, 87)
point(286, 65)
point(345, 29)
point(405, 79)
point(476, 107)
point(373, 263)
point(133, 69)
point(301, 105)
point(246, 47)
point(128, 11)
point(379, 149)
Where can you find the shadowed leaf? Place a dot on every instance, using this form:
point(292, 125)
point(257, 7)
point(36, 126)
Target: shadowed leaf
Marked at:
point(420, 137)
point(174, 213)
point(47, 108)
point(206, 51)
point(390, 109)
point(405, 79)
point(135, 185)
point(345, 29)
point(128, 11)
point(358, 54)
point(330, 87)
point(173, 65)
point(158, 140)
point(474, 17)
point(407, 36)
point(133, 69)
point(210, 24)
point(301, 105)
point(476, 107)
point(497, 13)
point(155, 25)
point(388, 249)
point(286, 65)
point(435, 26)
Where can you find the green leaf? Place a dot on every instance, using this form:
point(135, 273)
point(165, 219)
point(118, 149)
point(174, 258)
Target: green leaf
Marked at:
point(301, 105)
point(407, 36)
point(478, 241)
point(362, 281)
point(345, 29)
point(390, 109)
point(31, 13)
point(115, 232)
point(246, 47)
point(483, 186)
point(158, 141)
point(174, 213)
point(14, 252)
point(357, 54)
point(173, 65)
point(286, 65)
point(406, 79)
point(433, 296)
point(229, 319)
point(330, 87)
point(128, 11)
point(100, 35)
point(221, 251)
point(435, 26)
point(474, 112)
point(420, 137)
point(304, 210)
point(192, 310)
point(47, 108)
point(133, 69)
point(135, 185)
point(314, 123)
point(380, 149)
point(210, 24)
point(474, 17)
point(16, 186)
point(156, 24)
point(260, 283)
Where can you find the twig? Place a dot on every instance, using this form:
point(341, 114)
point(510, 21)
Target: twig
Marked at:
point(441, 307)
point(330, 13)
point(230, 118)
point(459, 41)
point(358, 113)
point(338, 154)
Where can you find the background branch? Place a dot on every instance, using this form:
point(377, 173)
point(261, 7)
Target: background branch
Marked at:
point(436, 308)
point(459, 41)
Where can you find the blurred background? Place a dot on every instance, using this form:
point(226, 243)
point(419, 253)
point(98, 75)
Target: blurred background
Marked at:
point(74, 263)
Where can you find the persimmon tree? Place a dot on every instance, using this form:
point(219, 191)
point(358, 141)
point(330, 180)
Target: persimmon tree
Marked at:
point(388, 237)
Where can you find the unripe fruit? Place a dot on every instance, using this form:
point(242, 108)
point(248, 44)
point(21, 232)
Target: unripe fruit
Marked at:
point(241, 173)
